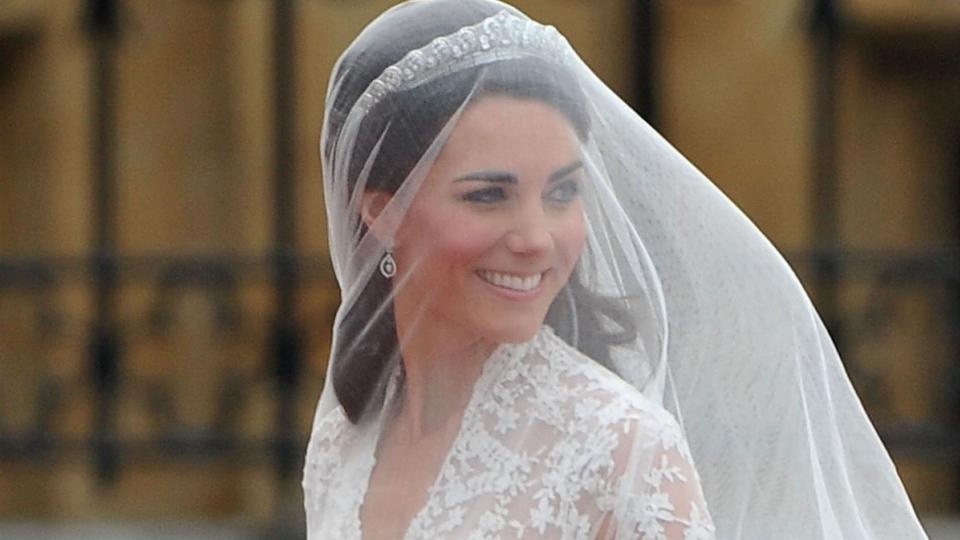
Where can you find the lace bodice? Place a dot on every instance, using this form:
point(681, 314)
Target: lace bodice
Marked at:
point(551, 445)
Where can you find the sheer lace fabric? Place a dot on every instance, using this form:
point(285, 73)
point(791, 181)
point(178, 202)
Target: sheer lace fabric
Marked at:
point(551, 445)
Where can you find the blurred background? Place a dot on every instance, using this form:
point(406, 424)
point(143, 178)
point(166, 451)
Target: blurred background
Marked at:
point(165, 292)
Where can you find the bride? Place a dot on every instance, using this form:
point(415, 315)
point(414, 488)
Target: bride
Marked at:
point(549, 316)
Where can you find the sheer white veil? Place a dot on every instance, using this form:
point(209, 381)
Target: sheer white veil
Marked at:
point(676, 291)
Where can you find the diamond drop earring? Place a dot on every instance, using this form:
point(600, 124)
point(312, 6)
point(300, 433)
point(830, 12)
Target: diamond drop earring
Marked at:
point(388, 265)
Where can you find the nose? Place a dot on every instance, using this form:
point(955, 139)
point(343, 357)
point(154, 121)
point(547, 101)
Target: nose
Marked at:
point(530, 233)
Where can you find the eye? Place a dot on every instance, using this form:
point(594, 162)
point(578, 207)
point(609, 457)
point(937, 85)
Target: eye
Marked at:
point(564, 191)
point(486, 195)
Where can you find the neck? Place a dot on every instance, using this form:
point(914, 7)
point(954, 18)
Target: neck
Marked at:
point(441, 365)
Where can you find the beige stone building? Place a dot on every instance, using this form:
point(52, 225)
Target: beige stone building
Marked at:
point(190, 205)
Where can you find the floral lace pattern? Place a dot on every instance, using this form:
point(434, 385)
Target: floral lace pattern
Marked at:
point(551, 445)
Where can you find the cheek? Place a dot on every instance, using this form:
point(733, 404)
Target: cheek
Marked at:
point(445, 239)
point(462, 243)
point(571, 238)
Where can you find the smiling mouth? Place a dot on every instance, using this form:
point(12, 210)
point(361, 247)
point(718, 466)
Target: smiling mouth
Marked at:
point(511, 281)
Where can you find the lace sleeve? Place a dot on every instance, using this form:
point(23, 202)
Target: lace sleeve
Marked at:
point(656, 494)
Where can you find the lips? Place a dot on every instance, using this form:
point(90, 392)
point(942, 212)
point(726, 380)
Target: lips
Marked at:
point(513, 282)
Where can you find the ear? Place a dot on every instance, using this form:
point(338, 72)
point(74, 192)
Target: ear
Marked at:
point(372, 204)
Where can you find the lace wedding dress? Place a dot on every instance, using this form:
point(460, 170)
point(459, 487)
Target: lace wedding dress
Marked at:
point(551, 445)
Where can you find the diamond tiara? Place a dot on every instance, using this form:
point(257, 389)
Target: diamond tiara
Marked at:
point(499, 37)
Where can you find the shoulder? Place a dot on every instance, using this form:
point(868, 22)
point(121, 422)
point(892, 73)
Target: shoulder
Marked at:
point(333, 474)
point(329, 429)
point(634, 456)
point(594, 396)
point(331, 433)
point(624, 456)
point(572, 402)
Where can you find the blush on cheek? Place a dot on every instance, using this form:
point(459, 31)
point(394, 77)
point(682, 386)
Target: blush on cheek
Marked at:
point(574, 238)
point(458, 237)
point(459, 243)
point(443, 229)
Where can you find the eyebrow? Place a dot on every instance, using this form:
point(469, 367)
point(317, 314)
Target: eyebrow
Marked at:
point(497, 177)
point(502, 177)
point(563, 171)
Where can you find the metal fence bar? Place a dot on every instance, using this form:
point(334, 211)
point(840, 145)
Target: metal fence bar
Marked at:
point(646, 52)
point(287, 341)
point(826, 32)
point(104, 349)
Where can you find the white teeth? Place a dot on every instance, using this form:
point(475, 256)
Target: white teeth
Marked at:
point(510, 281)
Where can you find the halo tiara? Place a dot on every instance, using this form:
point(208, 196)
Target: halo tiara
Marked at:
point(500, 37)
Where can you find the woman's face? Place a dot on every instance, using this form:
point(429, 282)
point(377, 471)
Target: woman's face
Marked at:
point(497, 227)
